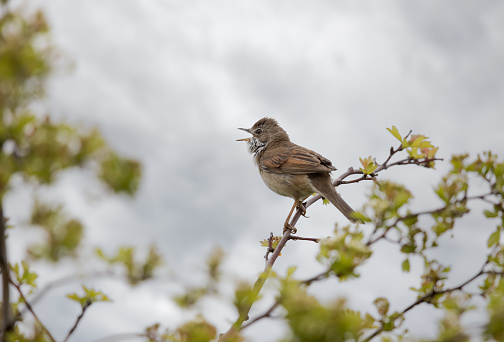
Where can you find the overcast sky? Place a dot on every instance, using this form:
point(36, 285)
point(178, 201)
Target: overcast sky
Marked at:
point(168, 83)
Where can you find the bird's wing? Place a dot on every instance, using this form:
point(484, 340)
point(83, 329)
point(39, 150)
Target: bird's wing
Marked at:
point(295, 160)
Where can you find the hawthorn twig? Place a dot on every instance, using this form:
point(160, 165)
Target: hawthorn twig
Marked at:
point(29, 308)
point(264, 315)
point(295, 237)
point(84, 308)
point(270, 246)
point(4, 268)
point(121, 337)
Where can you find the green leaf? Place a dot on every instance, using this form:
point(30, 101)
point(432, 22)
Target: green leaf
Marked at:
point(494, 238)
point(291, 270)
point(491, 214)
point(395, 132)
point(406, 265)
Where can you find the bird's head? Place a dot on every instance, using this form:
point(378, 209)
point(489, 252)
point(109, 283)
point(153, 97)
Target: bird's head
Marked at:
point(264, 132)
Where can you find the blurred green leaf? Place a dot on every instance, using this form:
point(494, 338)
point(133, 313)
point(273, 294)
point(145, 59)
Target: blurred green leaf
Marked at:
point(405, 265)
point(494, 238)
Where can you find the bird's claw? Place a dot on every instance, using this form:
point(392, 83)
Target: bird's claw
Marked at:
point(301, 207)
point(289, 227)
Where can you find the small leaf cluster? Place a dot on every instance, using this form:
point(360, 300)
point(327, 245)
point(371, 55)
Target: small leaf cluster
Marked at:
point(24, 61)
point(368, 165)
point(35, 333)
point(417, 146)
point(344, 252)
point(274, 242)
point(432, 281)
point(24, 276)
point(494, 328)
point(90, 296)
point(309, 320)
point(386, 201)
point(62, 235)
point(135, 271)
point(197, 330)
point(388, 322)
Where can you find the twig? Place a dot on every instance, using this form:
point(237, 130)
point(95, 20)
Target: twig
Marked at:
point(264, 315)
point(29, 307)
point(295, 237)
point(318, 277)
point(270, 246)
point(7, 322)
point(121, 337)
point(84, 308)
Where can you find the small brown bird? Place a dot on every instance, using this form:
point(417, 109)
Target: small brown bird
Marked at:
point(291, 170)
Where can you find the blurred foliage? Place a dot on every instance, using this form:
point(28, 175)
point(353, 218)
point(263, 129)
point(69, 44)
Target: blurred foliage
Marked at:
point(24, 276)
point(495, 327)
point(344, 252)
point(36, 149)
point(310, 321)
point(33, 334)
point(62, 235)
point(193, 294)
point(135, 271)
point(198, 330)
point(34, 146)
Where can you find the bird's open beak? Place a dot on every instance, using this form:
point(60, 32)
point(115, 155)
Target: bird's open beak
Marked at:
point(246, 130)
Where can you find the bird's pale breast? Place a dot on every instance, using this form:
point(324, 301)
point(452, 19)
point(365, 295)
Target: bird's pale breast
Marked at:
point(294, 186)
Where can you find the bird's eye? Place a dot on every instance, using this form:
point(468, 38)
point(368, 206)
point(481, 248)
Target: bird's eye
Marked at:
point(258, 131)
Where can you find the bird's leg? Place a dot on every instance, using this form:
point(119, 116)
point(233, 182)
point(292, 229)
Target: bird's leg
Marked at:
point(287, 225)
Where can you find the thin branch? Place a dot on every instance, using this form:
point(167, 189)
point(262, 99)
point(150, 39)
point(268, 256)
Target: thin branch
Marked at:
point(84, 308)
point(318, 277)
point(7, 322)
point(121, 337)
point(29, 307)
point(270, 246)
point(295, 237)
point(264, 315)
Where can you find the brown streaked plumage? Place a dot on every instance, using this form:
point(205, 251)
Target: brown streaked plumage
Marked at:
point(291, 170)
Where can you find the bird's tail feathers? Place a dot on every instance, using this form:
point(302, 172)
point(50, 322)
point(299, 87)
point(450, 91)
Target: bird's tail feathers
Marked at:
point(328, 191)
